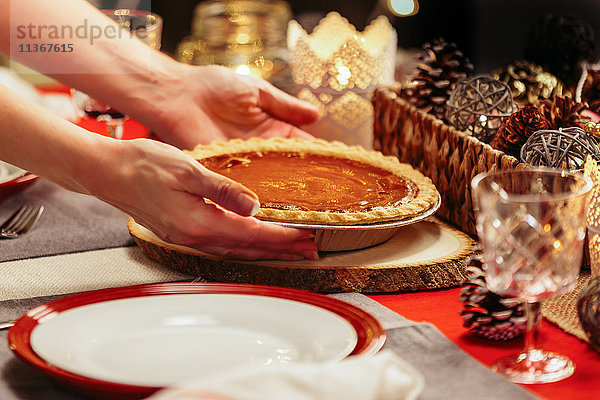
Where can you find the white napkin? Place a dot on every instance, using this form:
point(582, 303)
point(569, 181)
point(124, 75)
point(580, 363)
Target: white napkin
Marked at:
point(382, 377)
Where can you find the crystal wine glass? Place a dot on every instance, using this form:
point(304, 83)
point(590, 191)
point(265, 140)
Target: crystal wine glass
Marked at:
point(531, 225)
point(147, 27)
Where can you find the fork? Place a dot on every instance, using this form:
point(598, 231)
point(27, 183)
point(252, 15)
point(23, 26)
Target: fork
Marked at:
point(7, 324)
point(21, 221)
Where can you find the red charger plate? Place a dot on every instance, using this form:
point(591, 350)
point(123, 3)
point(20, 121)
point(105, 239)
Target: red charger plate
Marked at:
point(371, 335)
point(17, 185)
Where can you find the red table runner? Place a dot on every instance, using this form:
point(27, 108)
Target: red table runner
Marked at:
point(442, 308)
point(131, 129)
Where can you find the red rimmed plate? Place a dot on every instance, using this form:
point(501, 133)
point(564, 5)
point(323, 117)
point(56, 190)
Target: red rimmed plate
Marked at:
point(13, 180)
point(91, 341)
point(11, 188)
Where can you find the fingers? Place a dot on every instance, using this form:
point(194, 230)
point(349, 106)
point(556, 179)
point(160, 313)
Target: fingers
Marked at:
point(227, 235)
point(261, 249)
point(250, 238)
point(300, 134)
point(286, 107)
point(198, 222)
point(237, 237)
point(248, 232)
point(252, 250)
point(191, 222)
point(282, 129)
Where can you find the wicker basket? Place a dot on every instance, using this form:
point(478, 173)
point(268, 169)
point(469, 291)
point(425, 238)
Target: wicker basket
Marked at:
point(449, 157)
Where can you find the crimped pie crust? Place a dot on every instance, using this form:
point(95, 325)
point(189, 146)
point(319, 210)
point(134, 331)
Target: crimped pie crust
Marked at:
point(426, 198)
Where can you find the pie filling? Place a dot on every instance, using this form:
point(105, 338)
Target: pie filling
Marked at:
point(313, 182)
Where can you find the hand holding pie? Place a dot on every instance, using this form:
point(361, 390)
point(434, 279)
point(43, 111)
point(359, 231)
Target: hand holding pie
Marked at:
point(201, 104)
point(172, 195)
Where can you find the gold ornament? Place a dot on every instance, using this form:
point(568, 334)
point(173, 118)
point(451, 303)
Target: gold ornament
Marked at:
point(592, 128)
point(528, 82)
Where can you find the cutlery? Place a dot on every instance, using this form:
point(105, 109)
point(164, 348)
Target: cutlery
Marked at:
point(21, 221)
point(7, 324)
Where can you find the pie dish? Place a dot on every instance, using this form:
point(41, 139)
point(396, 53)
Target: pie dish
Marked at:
point(321, 182)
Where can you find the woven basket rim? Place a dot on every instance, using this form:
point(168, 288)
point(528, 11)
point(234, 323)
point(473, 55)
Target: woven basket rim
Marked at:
point(396, 86)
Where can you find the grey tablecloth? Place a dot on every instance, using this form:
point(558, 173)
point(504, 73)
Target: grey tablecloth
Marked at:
point(70, 223)
point(449, 372)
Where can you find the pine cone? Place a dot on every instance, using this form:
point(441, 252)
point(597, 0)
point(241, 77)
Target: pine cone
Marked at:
point(485, 313)
point(528, 82)
point(440, 67)
point(563, 112)
point(590, 91)
point(516, 129)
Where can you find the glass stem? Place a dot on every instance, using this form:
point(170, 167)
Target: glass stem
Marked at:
point(533, 311)
point(115, 128)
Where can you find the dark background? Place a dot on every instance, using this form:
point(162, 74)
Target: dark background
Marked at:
point(492, 33)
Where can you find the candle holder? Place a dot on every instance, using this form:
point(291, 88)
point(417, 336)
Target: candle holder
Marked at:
point(248, 36)
point(588, 303)
point(337, 69)
point(592, 170)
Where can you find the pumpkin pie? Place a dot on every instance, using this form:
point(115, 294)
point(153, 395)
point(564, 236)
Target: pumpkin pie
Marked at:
point(321, 182)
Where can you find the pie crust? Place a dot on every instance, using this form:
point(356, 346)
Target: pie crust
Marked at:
point(425, 198)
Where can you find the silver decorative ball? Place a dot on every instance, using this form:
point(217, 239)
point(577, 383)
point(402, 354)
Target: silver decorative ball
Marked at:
point(566, 148)
point(479, 105)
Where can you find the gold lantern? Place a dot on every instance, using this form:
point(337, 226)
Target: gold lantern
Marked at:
point(337, 68)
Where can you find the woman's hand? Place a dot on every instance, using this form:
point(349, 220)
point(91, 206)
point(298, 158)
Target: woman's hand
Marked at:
point(165, 190)
point(194, 105)
point(185, 105)
point(157, 184)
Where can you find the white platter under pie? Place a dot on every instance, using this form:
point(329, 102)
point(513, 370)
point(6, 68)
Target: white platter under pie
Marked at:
point(422, 255)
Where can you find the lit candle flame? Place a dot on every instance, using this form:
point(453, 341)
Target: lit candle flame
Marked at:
point(344, 74)
point(403, 8)
point(242, 69)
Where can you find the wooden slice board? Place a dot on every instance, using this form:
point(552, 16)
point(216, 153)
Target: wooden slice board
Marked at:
point(425, 255)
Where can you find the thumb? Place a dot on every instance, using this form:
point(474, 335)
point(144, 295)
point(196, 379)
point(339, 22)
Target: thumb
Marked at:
point(286, 107)
point(225, 192)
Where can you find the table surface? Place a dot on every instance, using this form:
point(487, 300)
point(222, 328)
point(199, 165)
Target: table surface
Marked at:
point(442, 307)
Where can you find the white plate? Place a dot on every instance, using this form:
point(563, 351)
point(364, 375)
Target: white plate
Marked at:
point(9, 172)
point(162, 339)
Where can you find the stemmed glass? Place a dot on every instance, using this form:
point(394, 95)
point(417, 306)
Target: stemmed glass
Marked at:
point(143, 25)
point(531, 225)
